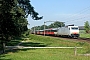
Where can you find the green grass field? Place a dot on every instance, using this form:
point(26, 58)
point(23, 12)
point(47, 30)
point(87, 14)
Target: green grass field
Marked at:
point(48, 54)
point(84, 35)
point(43, 54)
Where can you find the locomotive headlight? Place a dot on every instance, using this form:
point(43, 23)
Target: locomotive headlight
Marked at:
point(75, 32)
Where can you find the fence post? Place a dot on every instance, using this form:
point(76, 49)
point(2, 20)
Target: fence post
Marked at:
point(75, 51)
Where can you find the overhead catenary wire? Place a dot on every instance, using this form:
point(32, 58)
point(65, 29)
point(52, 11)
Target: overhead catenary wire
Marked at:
point(78, 13)
point(80, 16)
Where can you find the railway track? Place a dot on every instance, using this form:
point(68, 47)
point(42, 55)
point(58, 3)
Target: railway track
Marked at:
point(87, 39)
point(77, 39)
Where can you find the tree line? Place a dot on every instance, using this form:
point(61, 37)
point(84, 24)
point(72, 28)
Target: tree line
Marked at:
point(52, 25)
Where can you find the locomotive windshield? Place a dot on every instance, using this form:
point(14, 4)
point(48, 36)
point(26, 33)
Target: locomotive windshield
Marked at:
point(74, 28)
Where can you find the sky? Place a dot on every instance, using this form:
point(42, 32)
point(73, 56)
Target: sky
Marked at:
point(75, 12)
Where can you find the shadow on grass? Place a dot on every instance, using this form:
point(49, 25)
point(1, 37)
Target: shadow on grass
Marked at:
point(17, 50)
point(14, 41)
point(18, 38)
point(33, 44)
point(2, 57)
point(27, 44)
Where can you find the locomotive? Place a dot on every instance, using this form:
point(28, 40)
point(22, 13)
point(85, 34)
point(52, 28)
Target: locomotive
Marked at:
point(70, 31)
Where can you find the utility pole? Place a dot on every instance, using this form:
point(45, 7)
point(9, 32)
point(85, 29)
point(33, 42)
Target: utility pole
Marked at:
point(44, 28)
point(44, 25)
point(34, 29)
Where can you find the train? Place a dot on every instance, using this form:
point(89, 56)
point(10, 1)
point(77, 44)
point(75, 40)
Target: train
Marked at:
point(69, 31)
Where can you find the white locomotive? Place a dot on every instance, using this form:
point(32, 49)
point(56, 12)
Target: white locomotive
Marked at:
point(70, 31)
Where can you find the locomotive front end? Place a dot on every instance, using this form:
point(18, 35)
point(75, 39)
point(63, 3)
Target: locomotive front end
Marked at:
point(74, 31)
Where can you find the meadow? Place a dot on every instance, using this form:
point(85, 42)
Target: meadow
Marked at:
point(83, 34)
point(48, 54)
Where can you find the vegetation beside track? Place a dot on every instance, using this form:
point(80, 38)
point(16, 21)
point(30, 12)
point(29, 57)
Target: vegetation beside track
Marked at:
point(83, 34)
point(48, 54)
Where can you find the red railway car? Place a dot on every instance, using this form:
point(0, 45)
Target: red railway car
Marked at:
point(51, 31)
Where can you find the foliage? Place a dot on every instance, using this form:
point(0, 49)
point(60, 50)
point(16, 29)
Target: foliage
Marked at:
point(53, 25)
point(56, 24)
point(26, 34)
point(28, 9)
point(87, 27)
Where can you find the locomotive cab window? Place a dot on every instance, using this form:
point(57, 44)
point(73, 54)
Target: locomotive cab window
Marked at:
point(74, 28)
point(69, 28)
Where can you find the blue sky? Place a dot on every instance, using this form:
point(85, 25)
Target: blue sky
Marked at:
point(68, 11)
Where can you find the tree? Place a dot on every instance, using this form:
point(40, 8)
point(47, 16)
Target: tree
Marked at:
point(13, 22)
point(87, 27)
point(56, 24)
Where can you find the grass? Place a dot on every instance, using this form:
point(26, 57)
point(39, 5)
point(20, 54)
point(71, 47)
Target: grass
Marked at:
point(44, 54)
point(48, 54)
point(84, 35)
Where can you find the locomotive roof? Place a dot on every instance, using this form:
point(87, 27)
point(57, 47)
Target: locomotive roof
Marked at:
point(52, 29)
